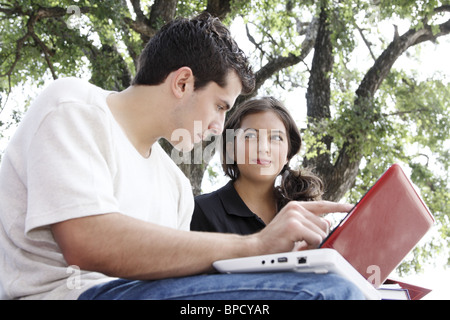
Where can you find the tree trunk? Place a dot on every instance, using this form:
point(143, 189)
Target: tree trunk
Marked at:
point(194, 163)
point(318, 99)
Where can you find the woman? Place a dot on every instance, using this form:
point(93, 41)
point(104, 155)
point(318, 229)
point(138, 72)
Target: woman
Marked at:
point(259, 140)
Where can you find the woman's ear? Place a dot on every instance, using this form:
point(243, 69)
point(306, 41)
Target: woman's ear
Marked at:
point(182, 81)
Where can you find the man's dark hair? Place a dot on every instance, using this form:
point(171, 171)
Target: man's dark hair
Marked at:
point(203, 44)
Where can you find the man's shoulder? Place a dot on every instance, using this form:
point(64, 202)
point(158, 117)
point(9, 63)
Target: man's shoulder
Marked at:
point(71, 89)
point(69, 84)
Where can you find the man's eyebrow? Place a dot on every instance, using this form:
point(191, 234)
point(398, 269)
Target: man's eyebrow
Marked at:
point(226, 105)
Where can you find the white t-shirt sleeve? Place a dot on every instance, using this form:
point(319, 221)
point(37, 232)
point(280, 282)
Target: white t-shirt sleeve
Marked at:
point(70, 154)
point(186, 208)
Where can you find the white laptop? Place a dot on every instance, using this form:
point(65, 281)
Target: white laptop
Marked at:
point(317, 261)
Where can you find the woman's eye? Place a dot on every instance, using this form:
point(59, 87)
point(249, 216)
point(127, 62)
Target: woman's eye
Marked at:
point(277, 138)
point(250, 136)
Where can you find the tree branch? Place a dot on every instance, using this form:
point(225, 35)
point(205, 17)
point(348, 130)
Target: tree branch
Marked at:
point(47, 54)
point(219, 8)
point(141, 25)
point(34, 16)
point(163, 11)
point(396, 48)
point(347, 164)
point(19, 45)
point(366, 42)
point(141, 28)
point(279, 63)
point(136, 4)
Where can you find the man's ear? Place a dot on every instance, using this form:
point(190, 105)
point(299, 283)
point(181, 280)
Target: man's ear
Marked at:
point(182, 81)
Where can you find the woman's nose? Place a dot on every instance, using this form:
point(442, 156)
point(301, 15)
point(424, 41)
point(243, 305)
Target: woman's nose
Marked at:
point(263, 142)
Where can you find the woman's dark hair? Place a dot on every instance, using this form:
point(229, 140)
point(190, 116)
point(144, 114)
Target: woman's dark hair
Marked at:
point(203, 44)
point(298, 185)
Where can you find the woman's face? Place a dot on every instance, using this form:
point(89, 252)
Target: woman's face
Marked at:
point(261, 146)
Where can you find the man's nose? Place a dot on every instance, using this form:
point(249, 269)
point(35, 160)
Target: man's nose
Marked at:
point(215, 128)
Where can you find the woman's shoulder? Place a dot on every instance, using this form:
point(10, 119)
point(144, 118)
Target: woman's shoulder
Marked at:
point(214, 195)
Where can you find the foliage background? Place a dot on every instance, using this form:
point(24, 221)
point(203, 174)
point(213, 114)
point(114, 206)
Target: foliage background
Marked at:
point(361, 112)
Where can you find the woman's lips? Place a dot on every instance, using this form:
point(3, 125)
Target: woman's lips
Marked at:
point(263, 162)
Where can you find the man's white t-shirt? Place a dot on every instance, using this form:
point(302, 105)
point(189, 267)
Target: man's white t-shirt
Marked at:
point(69, 158)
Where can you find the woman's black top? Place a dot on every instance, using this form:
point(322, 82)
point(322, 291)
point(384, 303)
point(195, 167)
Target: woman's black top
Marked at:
point(224, 211)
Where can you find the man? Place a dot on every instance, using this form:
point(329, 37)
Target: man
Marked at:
point(87, 195)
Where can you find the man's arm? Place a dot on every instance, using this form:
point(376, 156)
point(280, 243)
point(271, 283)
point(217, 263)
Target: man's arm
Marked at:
point(121, 246)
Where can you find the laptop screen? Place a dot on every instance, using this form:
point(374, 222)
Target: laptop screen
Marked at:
point(385, 225)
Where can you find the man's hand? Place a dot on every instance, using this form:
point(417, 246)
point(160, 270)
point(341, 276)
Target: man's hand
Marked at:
point(298, 225)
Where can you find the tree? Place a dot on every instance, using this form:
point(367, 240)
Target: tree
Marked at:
point(358, 120)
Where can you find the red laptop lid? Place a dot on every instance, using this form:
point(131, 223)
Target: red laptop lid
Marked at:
point(383, 227)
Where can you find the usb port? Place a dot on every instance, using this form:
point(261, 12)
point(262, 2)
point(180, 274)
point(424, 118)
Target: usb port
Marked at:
point(301, 260)
point(283, 259)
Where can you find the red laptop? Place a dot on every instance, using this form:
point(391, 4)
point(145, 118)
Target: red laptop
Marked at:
point(383, 227)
